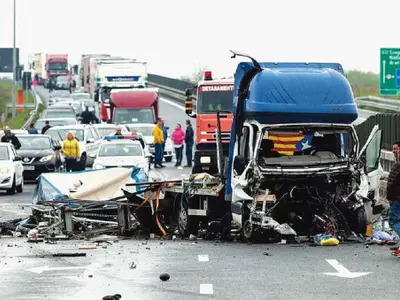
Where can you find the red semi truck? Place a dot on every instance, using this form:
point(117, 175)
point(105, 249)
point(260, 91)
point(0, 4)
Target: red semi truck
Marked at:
point(56, 65)
point(131, 106)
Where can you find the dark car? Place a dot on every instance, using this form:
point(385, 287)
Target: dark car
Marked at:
point(38, 154)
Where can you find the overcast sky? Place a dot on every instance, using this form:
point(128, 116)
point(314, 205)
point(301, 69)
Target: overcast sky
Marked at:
point(178, 36)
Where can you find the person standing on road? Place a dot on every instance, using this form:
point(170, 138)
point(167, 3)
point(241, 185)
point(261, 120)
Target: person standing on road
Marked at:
point(71, 151)
point(46, 127)
point(87, 116)
point(189, 143)
point(165, 135)
point(10, 137)
point(393, 192)
point(158, 136)
point(178, 137)
point(32, 129)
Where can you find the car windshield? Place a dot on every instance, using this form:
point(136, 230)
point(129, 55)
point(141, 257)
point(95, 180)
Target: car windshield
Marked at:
point(4, 155)
point(128, 116)
point(40, 123)
point(57, 114)
point(62, 94)
point(80, 96)
point(145, 131)
point(32, 142)
point(212, 98)
point(103, 131)
point(61, 133)
point(120, 150)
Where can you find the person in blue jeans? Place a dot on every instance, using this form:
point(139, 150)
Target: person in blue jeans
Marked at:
point(189, 141)
point(165, 134)
point(158, 136)
point(393, 193)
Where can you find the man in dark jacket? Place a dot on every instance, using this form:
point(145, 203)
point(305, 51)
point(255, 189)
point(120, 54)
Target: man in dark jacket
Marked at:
point(46, 127)
point(10, 138)
point(87, 116)
point(393, 192)
point(189, 141)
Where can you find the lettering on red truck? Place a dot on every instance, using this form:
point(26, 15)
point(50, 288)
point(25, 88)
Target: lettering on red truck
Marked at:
point(216, 88)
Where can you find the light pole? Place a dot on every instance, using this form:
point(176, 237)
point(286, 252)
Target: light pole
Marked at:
point(14, 84)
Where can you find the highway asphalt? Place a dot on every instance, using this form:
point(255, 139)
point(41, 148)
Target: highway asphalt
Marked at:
point(198, 270)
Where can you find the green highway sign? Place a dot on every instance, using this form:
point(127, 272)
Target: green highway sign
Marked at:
point(389, 77)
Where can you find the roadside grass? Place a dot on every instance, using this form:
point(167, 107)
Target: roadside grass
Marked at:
point(6, 98)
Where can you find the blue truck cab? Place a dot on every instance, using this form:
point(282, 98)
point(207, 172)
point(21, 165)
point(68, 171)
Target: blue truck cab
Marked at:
point(293, 149)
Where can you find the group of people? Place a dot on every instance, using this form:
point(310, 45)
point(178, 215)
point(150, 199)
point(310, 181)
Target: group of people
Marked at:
point(178, 137)
point(33, 130)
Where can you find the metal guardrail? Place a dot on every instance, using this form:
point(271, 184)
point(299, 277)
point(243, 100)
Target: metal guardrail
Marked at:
point(33, 112)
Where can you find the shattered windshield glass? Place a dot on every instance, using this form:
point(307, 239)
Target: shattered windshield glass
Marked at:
point(304, 146)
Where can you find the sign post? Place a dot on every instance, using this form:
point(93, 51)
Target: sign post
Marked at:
point(389, 77)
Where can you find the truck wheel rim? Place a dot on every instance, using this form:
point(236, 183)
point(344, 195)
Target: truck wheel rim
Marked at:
point(182, 219)
point(247, 229)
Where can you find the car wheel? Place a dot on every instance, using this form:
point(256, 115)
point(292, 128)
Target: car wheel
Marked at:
point(168, 159)
point(20, 188)
point(11, 191)
point(82, 162)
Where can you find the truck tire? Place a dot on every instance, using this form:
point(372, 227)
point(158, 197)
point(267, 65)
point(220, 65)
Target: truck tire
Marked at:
point(361, 221)
point(186, 224)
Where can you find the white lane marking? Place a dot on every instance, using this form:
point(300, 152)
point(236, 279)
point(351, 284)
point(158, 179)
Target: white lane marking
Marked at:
point(206, 289)
point(342, 271)
point(173, 104)
point(203, 257)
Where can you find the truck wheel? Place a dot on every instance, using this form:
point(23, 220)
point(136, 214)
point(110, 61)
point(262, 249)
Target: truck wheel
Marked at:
point(82, 162)
point(186, 224)
point(361, 221)
point(247, 230)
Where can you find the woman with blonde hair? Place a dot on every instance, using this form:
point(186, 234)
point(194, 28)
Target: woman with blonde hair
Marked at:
point(71, 151)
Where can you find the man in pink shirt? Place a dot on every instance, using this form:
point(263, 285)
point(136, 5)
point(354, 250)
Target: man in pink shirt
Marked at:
point(178, 137)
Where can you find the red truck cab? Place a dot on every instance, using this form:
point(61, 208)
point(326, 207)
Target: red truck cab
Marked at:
point(134, 106)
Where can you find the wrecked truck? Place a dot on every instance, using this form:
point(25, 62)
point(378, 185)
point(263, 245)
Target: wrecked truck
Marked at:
point(295, 166)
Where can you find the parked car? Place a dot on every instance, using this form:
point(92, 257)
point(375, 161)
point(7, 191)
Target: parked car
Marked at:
point(76, 105)
point(11, 170)
point(121, 153)
point(59, 113)
point(62, 83)
point(54, 122)
point(37, 153)
point(88, 138)
point(59, 94)
point(15, 131)
point(80, 96)
point(105, 129)
point(146, 130)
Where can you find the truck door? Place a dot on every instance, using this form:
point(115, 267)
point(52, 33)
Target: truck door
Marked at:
point(369, 156)
point(242, 157)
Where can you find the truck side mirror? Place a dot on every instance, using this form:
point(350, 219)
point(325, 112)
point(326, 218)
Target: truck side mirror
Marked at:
point(189, 105)
point(188, 92)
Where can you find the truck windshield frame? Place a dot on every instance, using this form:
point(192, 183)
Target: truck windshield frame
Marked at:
point(316, 145)
point(133, 115)
point(57, 66)
point(209, 101)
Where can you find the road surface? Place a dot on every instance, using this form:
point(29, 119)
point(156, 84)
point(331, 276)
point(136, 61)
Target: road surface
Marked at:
point(198, 270)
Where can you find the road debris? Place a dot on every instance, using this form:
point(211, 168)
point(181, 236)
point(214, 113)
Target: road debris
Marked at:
point(164, 276)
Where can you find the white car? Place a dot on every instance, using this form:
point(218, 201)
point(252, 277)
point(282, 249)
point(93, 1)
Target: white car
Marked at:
point(89, 140)
point(146, 130)
point(11, 170)
point(80, 96)
point(121, 153)
point(105, 129)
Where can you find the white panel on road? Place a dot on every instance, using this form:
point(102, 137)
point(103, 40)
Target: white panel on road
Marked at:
point(203, 258)
point(206, 289)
